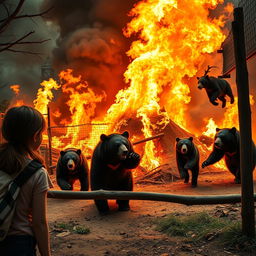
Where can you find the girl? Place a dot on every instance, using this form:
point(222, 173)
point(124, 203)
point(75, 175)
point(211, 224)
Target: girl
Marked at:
point(22, 129)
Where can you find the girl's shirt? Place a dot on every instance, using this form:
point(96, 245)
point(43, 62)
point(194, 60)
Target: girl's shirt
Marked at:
point(22, 221)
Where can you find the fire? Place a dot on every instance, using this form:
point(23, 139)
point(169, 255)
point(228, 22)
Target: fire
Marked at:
point(168, 33)
point(45, 95)
point(173, 43)
point(15, 88)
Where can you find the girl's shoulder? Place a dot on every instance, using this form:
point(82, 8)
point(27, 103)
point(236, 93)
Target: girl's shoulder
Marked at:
point(41, 180)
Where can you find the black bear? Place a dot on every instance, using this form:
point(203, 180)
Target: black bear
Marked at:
point(227, 143)
point(112, 161)
point(216, 88)
point(72, 166)
point(187, 157)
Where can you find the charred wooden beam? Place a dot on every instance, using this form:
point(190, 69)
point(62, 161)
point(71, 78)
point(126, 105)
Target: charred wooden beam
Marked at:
point(148, 139)
point(224, 76)
point(149, 196)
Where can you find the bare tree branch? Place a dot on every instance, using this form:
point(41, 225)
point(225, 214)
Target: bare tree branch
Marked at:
point(14, 15)
point(8, 20)
point(32, 15)
point(23, 51)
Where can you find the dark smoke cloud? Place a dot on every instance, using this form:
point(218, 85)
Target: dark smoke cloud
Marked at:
point(91, 42)
point(19, 68)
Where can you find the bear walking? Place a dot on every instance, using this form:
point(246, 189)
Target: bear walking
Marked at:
point(187, 157)
point(227, 143)
point(112, 161)
point(72, 166)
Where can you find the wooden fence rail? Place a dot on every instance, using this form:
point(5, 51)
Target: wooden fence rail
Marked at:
point(149, 196)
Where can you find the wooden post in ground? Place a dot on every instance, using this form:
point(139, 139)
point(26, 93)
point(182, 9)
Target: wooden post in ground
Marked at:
point(244, 111)
point(49, 138)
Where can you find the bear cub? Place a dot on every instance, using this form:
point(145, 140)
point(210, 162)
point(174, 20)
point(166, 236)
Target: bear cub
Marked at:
point(72, 166)
point(187, 157)
point(112, 162)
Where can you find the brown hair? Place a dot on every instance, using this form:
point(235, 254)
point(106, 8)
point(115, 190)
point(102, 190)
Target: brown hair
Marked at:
point(18, 128)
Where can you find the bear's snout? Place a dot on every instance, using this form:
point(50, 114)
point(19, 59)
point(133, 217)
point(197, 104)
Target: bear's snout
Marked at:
point(184, 149)
point(123, 152)
point(200, 86)
point(71, 165)
point(218, 143)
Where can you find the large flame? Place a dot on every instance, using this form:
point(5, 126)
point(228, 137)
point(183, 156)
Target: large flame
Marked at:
point(173, 43)
point(175, 37)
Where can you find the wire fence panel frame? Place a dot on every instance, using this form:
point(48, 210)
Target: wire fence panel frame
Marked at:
point(249, 7)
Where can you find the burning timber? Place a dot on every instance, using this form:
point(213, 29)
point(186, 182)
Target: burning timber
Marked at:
point(127, 195)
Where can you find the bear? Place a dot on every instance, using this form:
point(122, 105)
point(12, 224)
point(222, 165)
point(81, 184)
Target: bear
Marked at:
point(72, 166)
point(216, 88)
point(112, 161)
point(227, 143)
point(187, 157)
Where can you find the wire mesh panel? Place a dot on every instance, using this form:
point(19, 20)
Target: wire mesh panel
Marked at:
point(249, 8)
point(83, 136)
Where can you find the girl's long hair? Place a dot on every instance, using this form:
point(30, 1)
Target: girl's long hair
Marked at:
point(19, 126)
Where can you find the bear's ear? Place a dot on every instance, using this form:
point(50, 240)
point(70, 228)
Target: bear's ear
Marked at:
point(198, 77)
point(207, 77)
point(79, 152)
point(177, 139)
point(62, 153)
point(233, 130)
point(125, 134)
point(190, 138)
point(103, 137)
point(217, 129)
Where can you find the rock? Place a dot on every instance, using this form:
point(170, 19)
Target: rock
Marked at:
point(62, 234)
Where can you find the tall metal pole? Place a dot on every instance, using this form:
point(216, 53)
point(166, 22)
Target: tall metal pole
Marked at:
point(244, 111)
point(49, 138)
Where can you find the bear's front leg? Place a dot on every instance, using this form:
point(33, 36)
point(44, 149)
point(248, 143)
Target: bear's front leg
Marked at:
point(195, 172)
point(186, 176)
point(64, 185)
point(123, 205)
point(214, 97)
point(102, 206)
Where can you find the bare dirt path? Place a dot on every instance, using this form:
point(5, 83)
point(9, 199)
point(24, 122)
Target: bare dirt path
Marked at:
point(133, 233)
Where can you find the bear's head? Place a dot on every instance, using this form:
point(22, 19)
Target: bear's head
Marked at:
point(184, 146)
point(115, 147)
point(203, 82)
point(226, 139)
point(70, 158)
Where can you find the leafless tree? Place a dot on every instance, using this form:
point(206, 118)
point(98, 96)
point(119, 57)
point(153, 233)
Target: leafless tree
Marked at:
point(12, 14)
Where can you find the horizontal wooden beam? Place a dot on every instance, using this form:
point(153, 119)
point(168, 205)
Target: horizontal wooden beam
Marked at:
point(148, 196)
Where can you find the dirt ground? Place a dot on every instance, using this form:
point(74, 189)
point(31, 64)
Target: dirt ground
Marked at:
point(133, 233)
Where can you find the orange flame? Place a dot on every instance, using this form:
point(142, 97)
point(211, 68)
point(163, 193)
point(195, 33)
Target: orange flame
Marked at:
point(45, 95)
point(15, 88)
point(173, 43)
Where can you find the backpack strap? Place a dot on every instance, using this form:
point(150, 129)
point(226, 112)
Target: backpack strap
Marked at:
point(9, 198)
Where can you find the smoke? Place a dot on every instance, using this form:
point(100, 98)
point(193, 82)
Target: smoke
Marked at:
point(20, 68)
point(91, 43)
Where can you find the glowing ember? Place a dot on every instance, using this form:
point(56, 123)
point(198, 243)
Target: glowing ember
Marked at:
point(15, 88)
